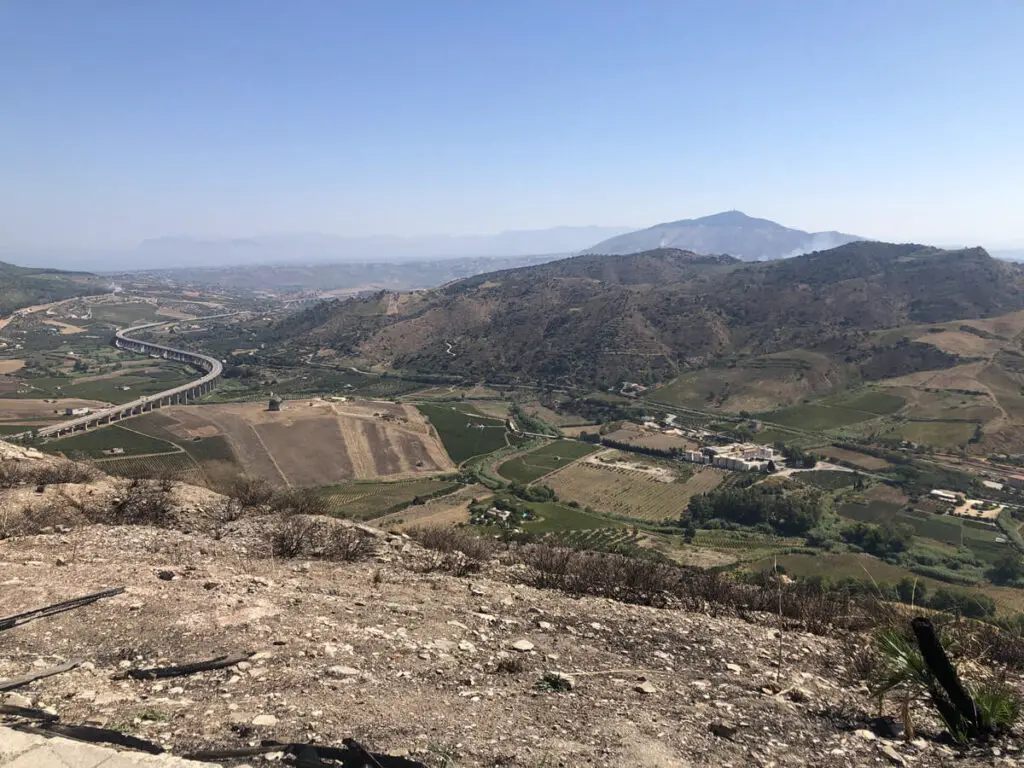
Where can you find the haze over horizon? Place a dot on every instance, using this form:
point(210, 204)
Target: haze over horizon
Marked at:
point(128, 122)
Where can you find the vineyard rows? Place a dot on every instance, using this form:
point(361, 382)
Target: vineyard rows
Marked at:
point(629, 493)
point(178, 465)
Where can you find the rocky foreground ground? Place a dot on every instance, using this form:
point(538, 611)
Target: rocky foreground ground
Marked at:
point(403, 656)
point(412, 662)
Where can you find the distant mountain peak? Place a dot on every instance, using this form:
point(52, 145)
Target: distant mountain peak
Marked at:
point(729, 232)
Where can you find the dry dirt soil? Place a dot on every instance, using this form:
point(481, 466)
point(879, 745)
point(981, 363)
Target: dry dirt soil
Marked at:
point(416, 662)
point(315, 442)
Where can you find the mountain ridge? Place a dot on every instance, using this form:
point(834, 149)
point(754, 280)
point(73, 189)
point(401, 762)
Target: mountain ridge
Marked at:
point(729, 232)
point(596, 320)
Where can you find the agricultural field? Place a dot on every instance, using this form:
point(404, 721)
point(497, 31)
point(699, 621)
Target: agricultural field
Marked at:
point(943, 529)
point(744, 546)
point(940, 434)
point(634, 434)
point(124, 315)
point(838, 411)
point(441, 511)
point(759, 384)
point(178, 465)
point(368, 500)
point(464, 431)
point(549, 457)
point(554, 418)
point(863, 460)
point(617, 539)
point(212, 453)
point(95, 443)
point(630, 493)
point(308, 443)
point(827, 479)
point(862, 566)
point(554, 516)
point(109, 389)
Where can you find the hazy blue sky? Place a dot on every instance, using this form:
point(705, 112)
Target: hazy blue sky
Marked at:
point(897, 119)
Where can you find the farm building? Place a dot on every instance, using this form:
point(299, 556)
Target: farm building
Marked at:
point(945, 496)
point(743, 457)
point(77, 411)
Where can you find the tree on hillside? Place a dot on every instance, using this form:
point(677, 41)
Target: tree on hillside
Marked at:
point(1008, 568)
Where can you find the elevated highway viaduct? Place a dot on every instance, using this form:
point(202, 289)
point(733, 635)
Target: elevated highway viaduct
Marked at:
point(211, 367)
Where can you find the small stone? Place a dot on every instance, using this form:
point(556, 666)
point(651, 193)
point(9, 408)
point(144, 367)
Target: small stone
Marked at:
point(341, 671)
point(265, 721)
point(892, 755)
point(165, 575)
point(467, 646)
point(646, 688)
point(545, 625)
point(865, 734)
point(734, 668)
point(17, 700)
point(523, 646)
point(60, 561)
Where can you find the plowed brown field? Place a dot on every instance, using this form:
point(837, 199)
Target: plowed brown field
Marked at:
point(315, 442)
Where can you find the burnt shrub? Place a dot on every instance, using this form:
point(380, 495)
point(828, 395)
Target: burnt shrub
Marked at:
point(322, 538)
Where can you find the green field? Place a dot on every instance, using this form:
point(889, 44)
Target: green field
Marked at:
point(816, 417)
point(552, 516)
point(878, 403)
point(835, 412)
point(460, 439)
point(547, 458)
point(124, 315)
point(945, 529)
point(827, 479)
point(13, 429)
point(215, 448)
point(942, 434)
point(110, 390)
point(177, 465)
point(843, 565)
point(92, 444)
point(367, 500)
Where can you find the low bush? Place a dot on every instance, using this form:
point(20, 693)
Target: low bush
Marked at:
point(250, 491)
point(300, 501)
point(322, 538)
point(141, 503)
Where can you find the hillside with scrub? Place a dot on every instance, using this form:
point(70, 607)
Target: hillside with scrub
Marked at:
point(649, 317)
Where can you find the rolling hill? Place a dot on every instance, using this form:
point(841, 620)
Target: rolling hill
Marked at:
point(27, 286)
point(731, 232)
point(646, 317)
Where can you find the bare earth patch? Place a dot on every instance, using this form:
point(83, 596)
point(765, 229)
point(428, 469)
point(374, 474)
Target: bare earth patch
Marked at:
point(10, 366)
point(315, 442)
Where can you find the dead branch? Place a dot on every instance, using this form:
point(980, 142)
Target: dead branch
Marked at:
point(50, 610)
point(16, 682)
point(155, 673)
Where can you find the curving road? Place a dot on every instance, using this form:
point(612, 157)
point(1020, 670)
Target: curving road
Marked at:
point(178, 395)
